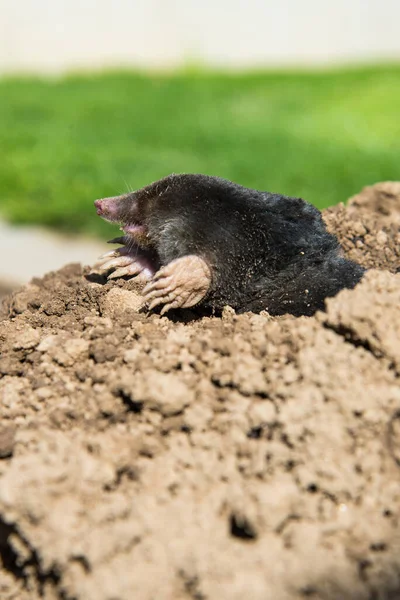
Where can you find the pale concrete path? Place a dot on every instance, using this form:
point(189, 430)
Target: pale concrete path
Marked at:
point(26, 252)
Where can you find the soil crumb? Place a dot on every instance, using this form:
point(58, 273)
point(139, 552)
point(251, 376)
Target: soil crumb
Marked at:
point(202, 456)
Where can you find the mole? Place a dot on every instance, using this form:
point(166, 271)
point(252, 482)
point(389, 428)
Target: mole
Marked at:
point(203, 240)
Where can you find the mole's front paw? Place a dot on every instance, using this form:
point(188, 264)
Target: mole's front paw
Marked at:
point(182, 283)
point(125, 262)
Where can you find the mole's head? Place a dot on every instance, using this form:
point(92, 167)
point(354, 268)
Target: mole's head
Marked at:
point(143, 213)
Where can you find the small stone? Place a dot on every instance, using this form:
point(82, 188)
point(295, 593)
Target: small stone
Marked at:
point(43, 393)
point(9, 365)
point(228, 313)
point(48, 342)
point(174, 423)
point(131, 355)
point(77, 348)
point(381, 238)
point(359, 228)
point(165, 393)
point(103, 351)
point(29, 338)
point(10, 392)
point(198, 416)
point(55, 307)
point(118, 301)
point(261, 412)
point(64, 350)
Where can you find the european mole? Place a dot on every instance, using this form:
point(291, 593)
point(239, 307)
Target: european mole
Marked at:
point(202, 239)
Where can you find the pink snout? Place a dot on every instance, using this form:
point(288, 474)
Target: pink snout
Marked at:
point(99, 206)
point(115, 207)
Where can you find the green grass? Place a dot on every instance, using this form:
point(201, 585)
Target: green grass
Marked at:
point(67, 141)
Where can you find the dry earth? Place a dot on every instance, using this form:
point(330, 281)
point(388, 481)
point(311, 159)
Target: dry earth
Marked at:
point(204, 457)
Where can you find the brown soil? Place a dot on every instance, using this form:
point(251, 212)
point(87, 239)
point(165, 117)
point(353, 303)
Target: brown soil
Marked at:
point(6, 288)
point(204, 457)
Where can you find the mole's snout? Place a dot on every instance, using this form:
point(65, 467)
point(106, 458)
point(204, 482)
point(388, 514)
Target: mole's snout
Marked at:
point(113, 208)
point(99, 206)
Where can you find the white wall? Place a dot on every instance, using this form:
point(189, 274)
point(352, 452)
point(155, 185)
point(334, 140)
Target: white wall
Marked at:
point(58, 35)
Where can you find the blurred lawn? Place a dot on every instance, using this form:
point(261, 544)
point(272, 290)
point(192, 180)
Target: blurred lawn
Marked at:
point(66, 142)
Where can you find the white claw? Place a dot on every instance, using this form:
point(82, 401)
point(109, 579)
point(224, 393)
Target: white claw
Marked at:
point(105, 259)
point(109, 253)
point(146, 289)
point(168, 307)
point(155, 303)
point(121, 272)
point(132, 269)
point(119, 261)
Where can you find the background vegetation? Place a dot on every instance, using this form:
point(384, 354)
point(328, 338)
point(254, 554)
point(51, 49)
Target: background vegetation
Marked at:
point(66, 142)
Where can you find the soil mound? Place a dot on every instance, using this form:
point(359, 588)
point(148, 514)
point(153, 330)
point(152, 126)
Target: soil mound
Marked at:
point(199, 456)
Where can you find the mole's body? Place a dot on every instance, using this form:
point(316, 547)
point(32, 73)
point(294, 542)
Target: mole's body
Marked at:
point(200, 239)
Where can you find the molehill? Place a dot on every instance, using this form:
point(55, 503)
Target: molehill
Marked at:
point(198, 456)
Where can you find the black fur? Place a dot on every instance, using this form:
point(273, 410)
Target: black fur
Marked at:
point(266, 251)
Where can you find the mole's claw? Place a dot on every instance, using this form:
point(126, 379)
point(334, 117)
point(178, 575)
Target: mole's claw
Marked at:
point(118, 240)
point(118, 261)
point(120, 272)
point(162, 292)
point(109, 253)
point(155, 303)
point(158, 285)
point(159, 275)
point(148, 288)
point(134, 269)
point(170, 306)
point(105, 258)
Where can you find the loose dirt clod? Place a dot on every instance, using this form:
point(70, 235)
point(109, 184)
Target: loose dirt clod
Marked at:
point(200, 456)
